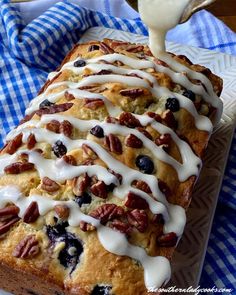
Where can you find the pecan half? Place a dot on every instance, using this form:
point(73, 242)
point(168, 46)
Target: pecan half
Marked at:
point(27, 248)
point(89, 152)
point(132, 93)
point(143, 186)
point(66, 128)
point(13, 144)
point(114, 144)
point(69, 159)
point(93, 104)
point(84, 226)
point(107, 212)
point(127, 119)
point(31, 141)
point(69, 96)
point(31, 213)
point(18, 167)
point(136, 202)
point(155, 116)
point(145, 132)
point(169, 119)
point(99, 189)
point(8, 212)
point(164, 139)
point(138, 219)
point(105, 48)
point(56, 108)
point(135, 48)
point(121, 226)
point(133, 141)
point(53, 126)
point(49, 185)
point(7, 224)
point(80, 184)
point(167, 240)
point(62, 211)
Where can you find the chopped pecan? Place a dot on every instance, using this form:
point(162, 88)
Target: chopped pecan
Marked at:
point(69, 96)
point(112, 120)
point(18, 167)
point(7, 224)
point(105, 48)
point(158, 219)
point(114, 144)
point(49, 185)
point(27, 248)
point(167, 240)
point(69, 159)
point(145, 132)
point(13, 144)
point(132, 93)
point(133, 141)
point(169, 119)
point(100, 73)
point(136, 202)
point(84, 226)
point(161, 62)
point(135, 48)
point(89, 152)
point(143, 186)
point(163, 141)
point(31, 141)
point(107, 212)
point(80, 184)
point(138, 219)
point(66, 128)
point(53, 126)
point(31, 213)
point(154, 116)
point(99, 189)
point(121, 226)
point(94, 88)
point(164, 188)
point(62, 211)
point(93, 104)
point(127, 119)
point(117, 175)
point(56, 108)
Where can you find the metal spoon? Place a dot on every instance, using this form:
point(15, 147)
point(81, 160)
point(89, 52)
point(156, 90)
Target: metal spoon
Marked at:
point(192, 7)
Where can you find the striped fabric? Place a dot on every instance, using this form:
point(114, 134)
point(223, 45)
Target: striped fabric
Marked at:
point(29, 52)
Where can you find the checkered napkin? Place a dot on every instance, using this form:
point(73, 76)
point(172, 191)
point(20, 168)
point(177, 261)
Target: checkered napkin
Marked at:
point(29, 52)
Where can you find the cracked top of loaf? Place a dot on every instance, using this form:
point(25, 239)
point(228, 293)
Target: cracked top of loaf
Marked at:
point(95, 181)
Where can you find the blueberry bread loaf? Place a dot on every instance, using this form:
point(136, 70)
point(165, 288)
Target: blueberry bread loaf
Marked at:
point(96, 179)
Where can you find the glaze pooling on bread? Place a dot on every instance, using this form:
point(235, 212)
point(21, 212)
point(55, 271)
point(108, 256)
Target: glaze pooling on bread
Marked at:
point(135, 212)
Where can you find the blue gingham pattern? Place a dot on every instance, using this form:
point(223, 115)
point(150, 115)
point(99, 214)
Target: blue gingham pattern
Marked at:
point(29, 52)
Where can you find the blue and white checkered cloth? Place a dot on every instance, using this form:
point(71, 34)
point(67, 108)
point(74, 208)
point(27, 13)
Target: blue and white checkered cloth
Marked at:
point(29, 51)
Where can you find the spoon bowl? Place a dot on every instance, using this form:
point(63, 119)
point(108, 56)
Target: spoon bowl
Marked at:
point(191, 8)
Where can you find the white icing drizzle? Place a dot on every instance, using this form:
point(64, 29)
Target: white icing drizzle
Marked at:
point(156, 269)
point(113, 241)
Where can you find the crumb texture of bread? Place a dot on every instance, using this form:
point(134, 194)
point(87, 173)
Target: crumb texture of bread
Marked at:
point(96, 179)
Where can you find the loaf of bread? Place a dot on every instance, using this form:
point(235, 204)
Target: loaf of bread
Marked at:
point(96, 179)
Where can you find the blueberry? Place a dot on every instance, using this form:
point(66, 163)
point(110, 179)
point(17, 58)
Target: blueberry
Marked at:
point(145, 164)
point(189, 94)
point(101, 290)
point(97, 131)
point(59, 149)
point(57, 231)
point(172, 104)
point(45, 104)
point(69, 255)
point(93, 47)
point(84, 199)
point(80, 63)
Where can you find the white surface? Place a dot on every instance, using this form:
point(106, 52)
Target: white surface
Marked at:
point(189, 257)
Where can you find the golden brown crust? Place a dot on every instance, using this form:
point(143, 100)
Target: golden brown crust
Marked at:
point(98, 266)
